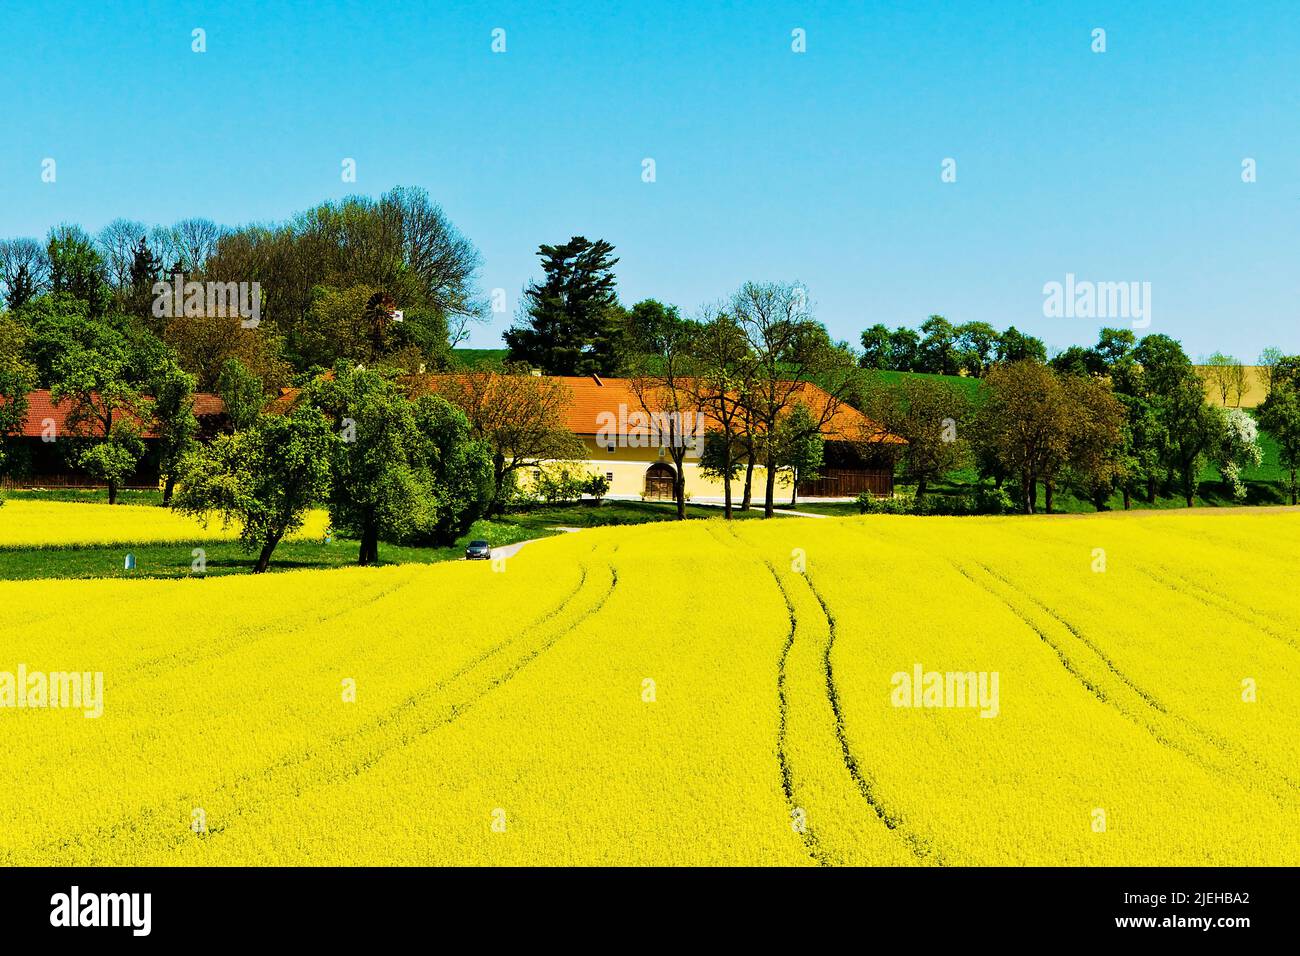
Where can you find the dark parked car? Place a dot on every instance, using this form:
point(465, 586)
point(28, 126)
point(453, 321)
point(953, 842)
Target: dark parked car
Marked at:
point(478, 551)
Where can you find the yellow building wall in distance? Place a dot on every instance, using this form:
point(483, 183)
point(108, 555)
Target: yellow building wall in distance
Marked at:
point(628, 466)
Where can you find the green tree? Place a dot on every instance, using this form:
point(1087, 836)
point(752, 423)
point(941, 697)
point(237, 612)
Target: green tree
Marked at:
point(905, 350)
point(1079, 361)
point(938, 350)
point(1115, 346)
point(143, 273)
point(721, 459)
point(357, 324)
point(1025, 422)
point(1189, 426)
point(77, 269)
point(459, 465)
point(977, 344)
point(932, 416)
point(20, 289)
point(56, 324)
point(261, 480)
point(800, 449)
point(1280, 416)
point(16, 379)
point(1193, 429)
point(1095, 453)
point(106, 404)
point(647, 323)
point(241, 393)
point(379, 487)
point(401, 243)
point(571, 323)
point(876, 351)
point(176, 425)
point(1142, 440)
point(113, 459)
point(1016, 346)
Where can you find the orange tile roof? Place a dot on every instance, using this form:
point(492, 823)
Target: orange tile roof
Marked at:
point(591, 396)
point(41, 407)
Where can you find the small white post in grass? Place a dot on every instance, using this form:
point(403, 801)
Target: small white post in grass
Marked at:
point(130, 562)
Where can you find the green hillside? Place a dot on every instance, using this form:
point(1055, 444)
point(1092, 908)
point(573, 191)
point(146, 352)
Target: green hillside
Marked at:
point(471, 358)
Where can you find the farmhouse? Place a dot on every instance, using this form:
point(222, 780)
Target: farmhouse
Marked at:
point(629, 443)
point(621, 439)
point(45, 447)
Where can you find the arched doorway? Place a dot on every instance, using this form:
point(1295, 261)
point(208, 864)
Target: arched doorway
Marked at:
point(659, 480)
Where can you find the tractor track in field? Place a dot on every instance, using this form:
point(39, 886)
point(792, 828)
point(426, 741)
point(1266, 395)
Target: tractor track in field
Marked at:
point(809, 835)
point(1149, 698)
point(1182, 585)
point(864, 787)
point(244, 639)
point(220, 646)
point(810, 840)
point(891, 819)
point(448, 714)
point(1225, 749)
point(276, 771)
point(453, 712)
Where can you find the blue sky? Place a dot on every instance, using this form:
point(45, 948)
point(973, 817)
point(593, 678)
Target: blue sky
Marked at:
point(822, 167)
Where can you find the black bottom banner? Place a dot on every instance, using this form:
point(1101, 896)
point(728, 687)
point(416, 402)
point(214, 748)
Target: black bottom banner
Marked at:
point(1226, 906)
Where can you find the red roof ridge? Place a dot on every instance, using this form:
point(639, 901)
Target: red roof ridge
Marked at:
point(41, 408)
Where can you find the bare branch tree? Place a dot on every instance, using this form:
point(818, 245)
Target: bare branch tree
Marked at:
point(191, 242)
point(25, 257)
point(791, 351)
point(117, 242)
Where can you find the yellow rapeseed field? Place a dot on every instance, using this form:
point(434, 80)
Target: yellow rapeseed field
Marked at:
point(28, 523)
point(1100, 690)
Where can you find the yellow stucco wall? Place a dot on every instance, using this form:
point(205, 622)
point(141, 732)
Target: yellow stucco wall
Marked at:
point(628, 467)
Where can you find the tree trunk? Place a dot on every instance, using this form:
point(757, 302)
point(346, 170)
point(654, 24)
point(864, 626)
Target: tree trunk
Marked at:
point(1049, 491)
point(679, 493)
point(748, 498)
point(369, 552)
point(726, 489)
point(1028, 491)
point(1128, 498)
point(1292, 486)
point(168, 487)
point(769, 489)
point(112, 492)
point(1189, 487)
point(1151, 489)
point(264, 558)
point(920, 488)
point(498, 481)
point(794, 487)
